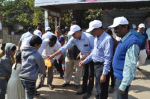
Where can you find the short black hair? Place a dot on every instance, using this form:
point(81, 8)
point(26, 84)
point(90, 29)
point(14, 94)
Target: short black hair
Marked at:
point(53, 38)
point(35, 40)
point(63, 31)
point(109, 31)
point(30, 29)
point(3, 46)
point(126, 25)
point(39, 24)
point(13, 48)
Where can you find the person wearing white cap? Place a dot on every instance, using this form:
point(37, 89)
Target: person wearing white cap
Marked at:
point(85, 43)
point(125, 57)
point(142, 36)
point(72, 62)
point(25, 42)
point(24, 36)
point(133, 28)
point(47, 34)
point(102, 56)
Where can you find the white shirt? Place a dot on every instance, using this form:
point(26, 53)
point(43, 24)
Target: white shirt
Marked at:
point(25, 35)
point(25, 42)
point(47, 35)
point(45, 49)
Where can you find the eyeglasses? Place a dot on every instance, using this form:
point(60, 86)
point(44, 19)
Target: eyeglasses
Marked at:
point(93, 30)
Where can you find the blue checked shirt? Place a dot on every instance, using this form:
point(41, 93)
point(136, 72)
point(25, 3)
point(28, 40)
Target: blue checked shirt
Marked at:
point(102, 52)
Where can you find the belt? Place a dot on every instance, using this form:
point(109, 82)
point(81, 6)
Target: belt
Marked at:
point(98, 63)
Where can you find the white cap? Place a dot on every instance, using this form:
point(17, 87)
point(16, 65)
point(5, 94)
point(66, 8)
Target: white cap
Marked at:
point(47, 28)
point(94, 24)
point(58, 26)
point(119, 21)
point(38, 33)
point(73, 29)
point(66, 27)
point(141, 25)
point(133, 26)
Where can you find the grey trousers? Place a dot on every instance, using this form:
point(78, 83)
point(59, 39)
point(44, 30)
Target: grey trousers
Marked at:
point(3, 87)
point(119, 95)
point(50, 75)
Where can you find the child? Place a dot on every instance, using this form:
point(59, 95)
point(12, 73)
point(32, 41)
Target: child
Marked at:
point(15, 89)
point(32, 64)
point(62, 41)
point(6, 63)
point(3, 50)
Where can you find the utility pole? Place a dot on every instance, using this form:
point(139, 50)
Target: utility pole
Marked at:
point(1, 33)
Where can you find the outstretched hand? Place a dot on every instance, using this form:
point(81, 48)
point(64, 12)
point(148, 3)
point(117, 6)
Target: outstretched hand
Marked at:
point(81, 63)
point(50, 57)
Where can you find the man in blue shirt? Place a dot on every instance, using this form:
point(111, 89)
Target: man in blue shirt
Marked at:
point(125, 57)
point(102, 57)
point(85, 43)
point(24, 36)
point(142, 36)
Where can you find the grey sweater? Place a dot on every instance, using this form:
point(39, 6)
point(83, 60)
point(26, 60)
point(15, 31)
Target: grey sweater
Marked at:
point(32, 64)
point(5, 62)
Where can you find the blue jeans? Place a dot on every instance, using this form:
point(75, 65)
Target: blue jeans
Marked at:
point(119, 95)
point(29, 88)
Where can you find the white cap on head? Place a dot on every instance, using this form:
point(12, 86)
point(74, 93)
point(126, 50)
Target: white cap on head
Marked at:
point(58, 26)
point(133, 26)
point(47, 28)
point(38, 33)
point(141, 25)
point(93, 25)
point(73, 29)
point(66, 27)
point(119, 21)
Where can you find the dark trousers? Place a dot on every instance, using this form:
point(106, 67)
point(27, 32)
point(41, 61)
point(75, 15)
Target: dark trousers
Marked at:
point(29, 88)
point(3, 87)
point(88, 74)
point(112, 77)
point(58, 66)
point(119, 95)
point(101, 88)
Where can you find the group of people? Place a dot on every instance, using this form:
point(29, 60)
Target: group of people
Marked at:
point(96, 53)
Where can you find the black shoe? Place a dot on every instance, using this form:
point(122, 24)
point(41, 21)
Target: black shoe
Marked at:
point(81, 92)
point(36, 93)
point(51, 87)
point(61, 76)
point(65, 84)
point(86, 95)
point(77, 86)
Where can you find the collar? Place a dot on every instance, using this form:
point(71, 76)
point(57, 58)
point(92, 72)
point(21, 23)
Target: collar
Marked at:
point(82, 35)
point(125, 37)
point(102, 35)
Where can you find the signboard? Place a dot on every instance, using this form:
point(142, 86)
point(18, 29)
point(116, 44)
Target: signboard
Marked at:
point(134, 16)
point(39, 3)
